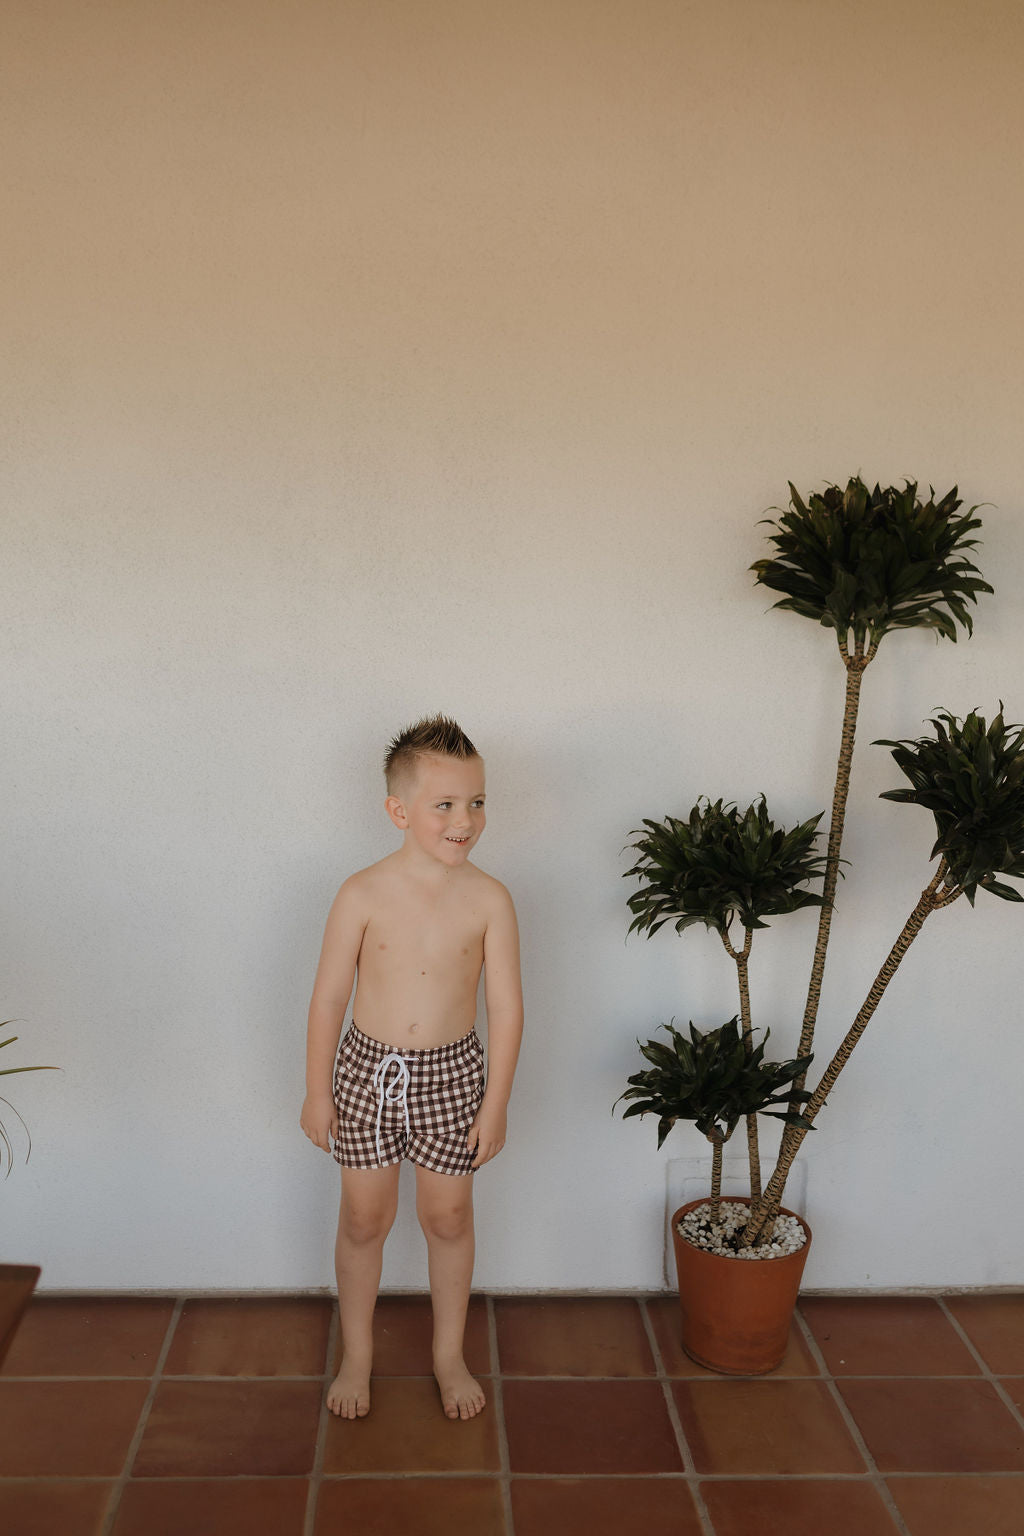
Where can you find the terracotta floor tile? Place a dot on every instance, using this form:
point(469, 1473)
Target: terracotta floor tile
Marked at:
point(960, 1506)
point(798, 1507)
point(741, 1425)
point(886, 1336)
point(406, 1431)
point(935, 1426)
point(572, 1336)
point(664, 1314)
point(97, 1336)
point(1013, 1386)
point(435, 1506)
point(246, 1336)
point(230, 1429)
point(238, 1506)
point(46, 1508)
point(67, 1428)
point(578, 1427)
point(603, 1506)
point(402, 1330)
point(995, 1326)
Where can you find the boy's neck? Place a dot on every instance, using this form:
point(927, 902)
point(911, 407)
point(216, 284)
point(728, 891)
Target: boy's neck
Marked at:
point(413, 859)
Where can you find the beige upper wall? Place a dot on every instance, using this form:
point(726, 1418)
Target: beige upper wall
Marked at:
point(330, 210)
point(365, 357)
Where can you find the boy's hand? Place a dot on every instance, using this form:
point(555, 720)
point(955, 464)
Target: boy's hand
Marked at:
point(487, 1133)
point(320, 1116)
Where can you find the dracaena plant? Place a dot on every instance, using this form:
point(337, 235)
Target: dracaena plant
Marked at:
point(861, 562)
point(713, 1079)
point(722, 866)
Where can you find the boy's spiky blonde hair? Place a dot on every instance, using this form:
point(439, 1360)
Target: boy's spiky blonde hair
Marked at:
point(437, 735)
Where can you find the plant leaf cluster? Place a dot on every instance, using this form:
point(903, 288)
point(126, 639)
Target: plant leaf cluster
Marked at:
point(874, 560)
point(720, 863)
point(710, 1079)
point(971, 777)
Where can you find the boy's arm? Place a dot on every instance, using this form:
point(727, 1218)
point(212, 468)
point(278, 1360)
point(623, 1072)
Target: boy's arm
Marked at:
point(332, 988)
point(503, 995)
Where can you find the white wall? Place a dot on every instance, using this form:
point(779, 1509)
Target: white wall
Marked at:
point(368, 358)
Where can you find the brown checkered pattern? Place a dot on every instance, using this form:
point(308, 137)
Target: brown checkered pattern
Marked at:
point(445, 1086)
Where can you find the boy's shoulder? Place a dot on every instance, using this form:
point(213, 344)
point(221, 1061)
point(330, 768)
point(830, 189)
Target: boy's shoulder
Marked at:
point(364, 881)
point(495, 898)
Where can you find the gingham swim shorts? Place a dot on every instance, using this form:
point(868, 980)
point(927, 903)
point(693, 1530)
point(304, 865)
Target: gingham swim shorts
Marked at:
point(394, 1102)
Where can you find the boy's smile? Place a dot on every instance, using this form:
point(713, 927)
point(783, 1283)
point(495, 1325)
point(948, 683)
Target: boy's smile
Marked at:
point(442, 811)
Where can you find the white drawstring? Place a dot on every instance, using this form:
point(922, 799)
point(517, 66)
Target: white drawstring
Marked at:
point(387, 1090)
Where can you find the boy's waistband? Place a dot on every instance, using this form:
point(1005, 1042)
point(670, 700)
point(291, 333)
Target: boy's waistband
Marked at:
point(370, 1046)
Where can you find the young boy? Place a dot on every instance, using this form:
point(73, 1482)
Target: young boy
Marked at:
point(418, 927)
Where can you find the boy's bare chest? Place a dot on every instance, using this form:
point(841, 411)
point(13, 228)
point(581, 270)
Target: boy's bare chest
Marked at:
point(412, 933)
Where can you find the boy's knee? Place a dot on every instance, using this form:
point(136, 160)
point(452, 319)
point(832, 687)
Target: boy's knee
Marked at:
point(368, 1224)
point(446, 1222)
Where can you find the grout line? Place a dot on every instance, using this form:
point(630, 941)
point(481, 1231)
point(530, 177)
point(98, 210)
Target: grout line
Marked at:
point(497, 1386)
point(664, 1381)
point(117, 1490)
point(880, 1485)
point(988, 1374)
point(317, 1473)
point(486, 1475)
point(521, 1375)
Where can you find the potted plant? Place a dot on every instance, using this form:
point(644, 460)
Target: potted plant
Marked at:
point(863, 562)
point(17, 1281)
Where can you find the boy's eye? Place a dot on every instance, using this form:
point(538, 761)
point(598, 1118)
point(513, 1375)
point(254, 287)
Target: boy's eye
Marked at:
point(444, 805)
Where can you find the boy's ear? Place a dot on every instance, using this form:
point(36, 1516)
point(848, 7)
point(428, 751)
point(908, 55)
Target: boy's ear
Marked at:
point(396, 810)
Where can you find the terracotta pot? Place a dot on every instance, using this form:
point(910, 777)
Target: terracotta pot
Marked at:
point(736, 1312)
point(17, 1282)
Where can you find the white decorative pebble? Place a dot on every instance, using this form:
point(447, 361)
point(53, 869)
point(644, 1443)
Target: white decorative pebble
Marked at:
point(697, 1227)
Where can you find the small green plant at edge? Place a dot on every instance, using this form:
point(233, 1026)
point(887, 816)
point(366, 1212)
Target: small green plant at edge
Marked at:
point(5, 1142)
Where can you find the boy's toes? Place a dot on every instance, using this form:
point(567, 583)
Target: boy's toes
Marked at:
point(462, 1397)
point(348, 1401)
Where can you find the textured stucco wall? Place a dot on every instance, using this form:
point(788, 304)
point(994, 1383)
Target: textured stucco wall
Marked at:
point(366, 358)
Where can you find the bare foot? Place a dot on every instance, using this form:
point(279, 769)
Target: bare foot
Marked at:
point(348, 1395)
point(461, 1394)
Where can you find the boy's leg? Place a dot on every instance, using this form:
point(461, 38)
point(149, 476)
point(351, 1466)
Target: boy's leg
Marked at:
point(444, 1205)
point(369, 1200)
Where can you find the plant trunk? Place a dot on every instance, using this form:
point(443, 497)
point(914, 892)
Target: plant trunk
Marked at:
point(716, 1178)
point(931, 898)
point(855, 666)
point(741, 957)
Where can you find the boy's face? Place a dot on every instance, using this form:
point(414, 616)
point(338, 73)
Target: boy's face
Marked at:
point(442, 808)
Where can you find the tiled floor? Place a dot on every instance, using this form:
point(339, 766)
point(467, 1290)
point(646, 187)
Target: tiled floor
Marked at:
point(160, 1417)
